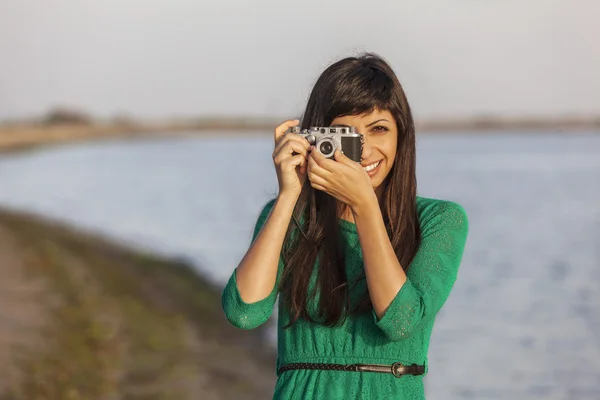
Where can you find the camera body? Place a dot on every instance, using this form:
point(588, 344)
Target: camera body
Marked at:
point(327, 139)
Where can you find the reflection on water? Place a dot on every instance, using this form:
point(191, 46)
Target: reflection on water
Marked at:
point(523, 321)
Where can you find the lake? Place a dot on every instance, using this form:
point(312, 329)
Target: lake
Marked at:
point(523, 320)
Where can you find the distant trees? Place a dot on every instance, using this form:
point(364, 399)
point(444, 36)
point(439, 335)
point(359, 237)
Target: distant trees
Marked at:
point(59, 116)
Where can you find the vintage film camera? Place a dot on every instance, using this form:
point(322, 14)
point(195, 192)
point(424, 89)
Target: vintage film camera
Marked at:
point(327, 139)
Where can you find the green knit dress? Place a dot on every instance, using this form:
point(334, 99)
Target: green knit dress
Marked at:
point(402, 335)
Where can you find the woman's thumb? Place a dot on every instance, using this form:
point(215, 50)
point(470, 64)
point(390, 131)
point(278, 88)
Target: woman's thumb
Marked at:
point(341, 157)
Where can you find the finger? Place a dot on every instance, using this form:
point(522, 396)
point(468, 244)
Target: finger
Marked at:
point(288, 149)
point(342, 158)
point(314, 167)
point(300, 139)
point(318, 180)
point(303, 166)
point(322, 161)
point(280, 130)
point(291, 138)
point(303, 169)
point(318, 187)
point(292, 162)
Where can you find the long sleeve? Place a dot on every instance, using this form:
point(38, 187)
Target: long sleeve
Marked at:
point(432, 273)
point(249, 315)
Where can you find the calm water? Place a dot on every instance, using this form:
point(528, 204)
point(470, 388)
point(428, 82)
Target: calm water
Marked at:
point(523, 321)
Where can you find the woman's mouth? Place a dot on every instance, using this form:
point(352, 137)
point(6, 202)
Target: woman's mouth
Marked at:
point(372, 168)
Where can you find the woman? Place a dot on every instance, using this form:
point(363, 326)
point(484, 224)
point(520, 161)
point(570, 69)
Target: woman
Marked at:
point(362, 264)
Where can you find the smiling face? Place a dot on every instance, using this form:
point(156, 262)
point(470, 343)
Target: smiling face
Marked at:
point(381, 138)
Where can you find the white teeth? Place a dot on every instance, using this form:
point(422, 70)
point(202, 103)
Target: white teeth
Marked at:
point(372, 166)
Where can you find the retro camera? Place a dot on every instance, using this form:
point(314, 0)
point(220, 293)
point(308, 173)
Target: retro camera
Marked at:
point(328, 139)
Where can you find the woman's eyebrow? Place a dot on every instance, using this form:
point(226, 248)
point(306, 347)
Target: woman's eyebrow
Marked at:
point(379, 120)
point(372, 123)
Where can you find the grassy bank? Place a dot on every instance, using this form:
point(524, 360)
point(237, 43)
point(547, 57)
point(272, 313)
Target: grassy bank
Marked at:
point(111, 323)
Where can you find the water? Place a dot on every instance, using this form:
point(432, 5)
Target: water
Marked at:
point(523, 321)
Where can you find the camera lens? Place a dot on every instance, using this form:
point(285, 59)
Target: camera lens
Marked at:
point(326, 148)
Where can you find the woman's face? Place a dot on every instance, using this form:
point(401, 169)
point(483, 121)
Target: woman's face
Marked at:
point(381, 136)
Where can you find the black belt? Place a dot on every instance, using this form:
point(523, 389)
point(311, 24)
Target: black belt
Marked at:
point(397, 369)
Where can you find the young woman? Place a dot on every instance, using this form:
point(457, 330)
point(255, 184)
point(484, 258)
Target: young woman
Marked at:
point(361, 263)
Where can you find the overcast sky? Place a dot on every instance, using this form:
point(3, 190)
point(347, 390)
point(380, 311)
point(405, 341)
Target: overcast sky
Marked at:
point(161, 58)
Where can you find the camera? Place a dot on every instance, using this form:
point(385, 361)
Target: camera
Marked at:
point(328, 139)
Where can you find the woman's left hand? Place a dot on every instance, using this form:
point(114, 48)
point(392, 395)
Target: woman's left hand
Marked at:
point(344, 179)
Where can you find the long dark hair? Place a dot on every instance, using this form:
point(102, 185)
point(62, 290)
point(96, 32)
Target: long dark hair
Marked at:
point(351, 86)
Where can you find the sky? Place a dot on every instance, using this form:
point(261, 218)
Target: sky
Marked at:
point(179, 58)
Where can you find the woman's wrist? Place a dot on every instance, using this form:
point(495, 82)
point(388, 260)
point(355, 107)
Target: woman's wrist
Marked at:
point(287, 198)
point(365, 205)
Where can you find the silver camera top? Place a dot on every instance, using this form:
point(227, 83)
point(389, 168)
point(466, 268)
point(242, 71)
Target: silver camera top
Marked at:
point(325, 130)
point(313, 134)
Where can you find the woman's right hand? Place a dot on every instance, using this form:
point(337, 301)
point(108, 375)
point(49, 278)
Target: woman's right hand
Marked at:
point(290, 158)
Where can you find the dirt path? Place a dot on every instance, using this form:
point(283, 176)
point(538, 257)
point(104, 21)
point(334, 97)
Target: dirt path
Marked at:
point(22, 309)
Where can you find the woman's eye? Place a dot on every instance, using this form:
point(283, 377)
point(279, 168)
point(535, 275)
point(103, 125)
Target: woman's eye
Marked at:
point(380, 128)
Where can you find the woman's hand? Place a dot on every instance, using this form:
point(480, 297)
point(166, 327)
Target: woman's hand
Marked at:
point(344, 179)
point(290, 159)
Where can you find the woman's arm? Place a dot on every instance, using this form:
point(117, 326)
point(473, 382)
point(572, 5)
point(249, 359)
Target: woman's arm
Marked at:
point(249, 296)
point(401, 301)
point(257, 271)
point(384, 273)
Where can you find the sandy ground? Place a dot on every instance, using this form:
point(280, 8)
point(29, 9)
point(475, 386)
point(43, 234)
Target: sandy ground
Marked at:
point(22, 309)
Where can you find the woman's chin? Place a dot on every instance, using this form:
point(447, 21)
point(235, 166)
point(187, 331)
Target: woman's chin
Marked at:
point(376, 184)
point(376, 180)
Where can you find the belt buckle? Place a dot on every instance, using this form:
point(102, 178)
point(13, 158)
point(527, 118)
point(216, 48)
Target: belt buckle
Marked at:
point(397, 369)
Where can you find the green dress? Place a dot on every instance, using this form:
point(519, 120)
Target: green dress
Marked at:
point(402, 335)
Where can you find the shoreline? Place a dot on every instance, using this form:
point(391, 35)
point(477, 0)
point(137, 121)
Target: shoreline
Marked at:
point(19, 136)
